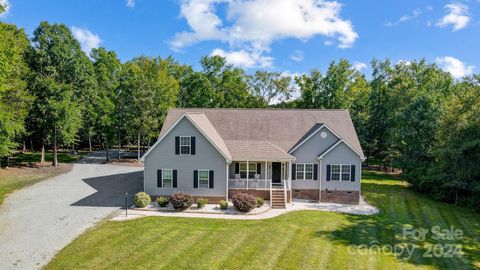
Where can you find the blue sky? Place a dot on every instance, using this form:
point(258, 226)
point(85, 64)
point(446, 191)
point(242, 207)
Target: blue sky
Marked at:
point(280, 35)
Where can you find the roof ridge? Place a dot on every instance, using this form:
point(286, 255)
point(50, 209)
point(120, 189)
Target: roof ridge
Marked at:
point(196, 110)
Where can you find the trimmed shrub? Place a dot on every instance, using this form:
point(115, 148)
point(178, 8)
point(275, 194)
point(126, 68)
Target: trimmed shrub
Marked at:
point(201, 202)
point(223, 205)
point(244, 202)
point(181, 200)
point(162, 201)
point(142, 199)
point(260, 202)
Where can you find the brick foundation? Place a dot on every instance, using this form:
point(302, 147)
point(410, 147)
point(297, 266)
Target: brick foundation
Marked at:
point(265, 194)
point(210, 199)
point(341, 196)
point(305, 194)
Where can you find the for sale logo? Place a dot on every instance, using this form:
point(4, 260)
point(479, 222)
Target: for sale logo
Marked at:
point(434, 242)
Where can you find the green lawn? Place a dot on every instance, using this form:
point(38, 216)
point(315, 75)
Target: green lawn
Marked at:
point(298, 240)
point(34, 157)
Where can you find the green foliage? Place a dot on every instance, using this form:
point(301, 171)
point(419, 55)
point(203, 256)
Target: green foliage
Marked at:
point(14, 99)
point(260, 202)
point(244, 202)
point(141, 199)
point(181, 201)
point(162, 201)
point(201, 202)
point(223, 205)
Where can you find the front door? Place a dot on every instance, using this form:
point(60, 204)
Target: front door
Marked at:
point(276, 172)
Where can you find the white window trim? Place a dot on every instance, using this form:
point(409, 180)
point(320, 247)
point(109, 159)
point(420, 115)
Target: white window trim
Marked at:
point(248, 169)
point(189, 145)
point(208, 175)
point(304, 171)
point(341, 172)
point(163, 178)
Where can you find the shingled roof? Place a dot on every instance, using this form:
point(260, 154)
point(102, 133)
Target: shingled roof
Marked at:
point(277, 130)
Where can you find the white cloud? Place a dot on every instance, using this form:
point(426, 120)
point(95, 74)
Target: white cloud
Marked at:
point(404, 62)
point(253, 25)
point(243, 58)
point(87, 39)
point(130, 3)
point(457, 68)
point(415, 14)
point(457, 16)
point(297, 56)
point(6, 5)
point(359, 66)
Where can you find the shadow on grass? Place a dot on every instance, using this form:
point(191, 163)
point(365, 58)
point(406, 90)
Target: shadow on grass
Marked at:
point(111, 190)
point(404, 209)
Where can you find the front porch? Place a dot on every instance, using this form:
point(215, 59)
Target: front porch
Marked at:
point(270, 180)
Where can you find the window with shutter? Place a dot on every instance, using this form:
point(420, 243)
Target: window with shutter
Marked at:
point(203, 177)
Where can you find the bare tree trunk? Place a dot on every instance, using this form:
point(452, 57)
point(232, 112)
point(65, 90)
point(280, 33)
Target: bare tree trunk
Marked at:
point(55, 161)
point(31, 144)
point(118, 146)
point(90, 143)
point(42, 156)
point(24, 148)
point(107, 157)
point(138, 147)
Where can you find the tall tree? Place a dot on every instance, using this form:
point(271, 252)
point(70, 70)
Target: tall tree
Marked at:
point(270, 87)
point(62, 76)
point(14, 99)
point(107, 70)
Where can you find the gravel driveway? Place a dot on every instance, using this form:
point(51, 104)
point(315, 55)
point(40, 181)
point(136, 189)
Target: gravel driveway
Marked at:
point(40, 220)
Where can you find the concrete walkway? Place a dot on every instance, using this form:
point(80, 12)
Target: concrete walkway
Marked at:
point(362, 209)
point(39, 220)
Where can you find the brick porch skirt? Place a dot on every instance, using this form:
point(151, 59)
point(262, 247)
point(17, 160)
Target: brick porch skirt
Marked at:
point(341, 196)
point(333, 196)
point(265, 194)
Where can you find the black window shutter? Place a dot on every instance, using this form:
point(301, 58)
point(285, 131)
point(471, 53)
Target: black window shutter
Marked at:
point(237, 168)
point(174, 178)
point(192, 144)
point(352, 173)
point(177, 145)
point(315, 171)
point(294, 171)
point(195, 179)
point(328, 172)
point(210, 183)
point(259, 168)
point(159, 178)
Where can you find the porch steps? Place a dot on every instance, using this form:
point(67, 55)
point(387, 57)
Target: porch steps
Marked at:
point(278, 199)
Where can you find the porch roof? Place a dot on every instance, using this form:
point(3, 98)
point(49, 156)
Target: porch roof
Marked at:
point(245, 150)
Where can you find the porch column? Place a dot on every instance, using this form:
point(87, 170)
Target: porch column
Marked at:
point(266, 176)
point(247, 174)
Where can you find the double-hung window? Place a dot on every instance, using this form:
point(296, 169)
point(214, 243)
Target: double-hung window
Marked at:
point(304, 171)
point(185, 145)
point(167, 177)
point(340, 172)
point(203, 178)
point(252, 169)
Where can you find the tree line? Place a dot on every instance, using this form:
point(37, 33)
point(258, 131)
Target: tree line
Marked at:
point(409, 115)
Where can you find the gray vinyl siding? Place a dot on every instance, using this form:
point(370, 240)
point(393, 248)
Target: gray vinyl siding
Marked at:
point(308, 153)
point(342, 154)
point(231, 169)
point(206, 157)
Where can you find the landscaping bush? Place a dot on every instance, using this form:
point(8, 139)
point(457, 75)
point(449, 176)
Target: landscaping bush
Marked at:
point(244, 202)
point(142, 199)
point(201, 202)
point(223, 205)
point(162, 201)
point(181, 200)
point(260, 202)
